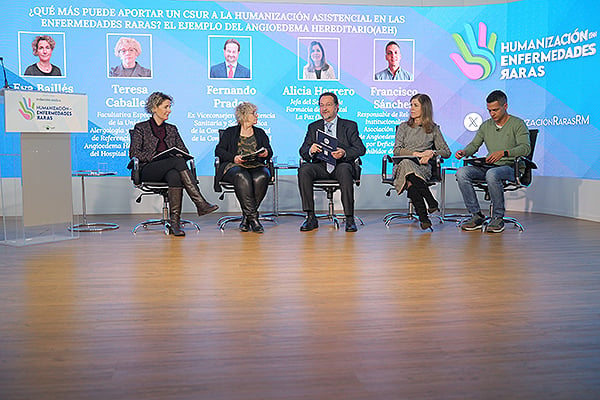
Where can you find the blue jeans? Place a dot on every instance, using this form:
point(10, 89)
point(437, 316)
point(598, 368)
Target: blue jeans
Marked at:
point(493, 176)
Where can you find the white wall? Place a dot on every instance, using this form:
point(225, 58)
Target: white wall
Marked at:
point(569, 197)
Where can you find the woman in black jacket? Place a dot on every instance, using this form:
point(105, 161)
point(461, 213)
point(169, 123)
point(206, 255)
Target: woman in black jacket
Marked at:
point(154, 136)
point(243, 152)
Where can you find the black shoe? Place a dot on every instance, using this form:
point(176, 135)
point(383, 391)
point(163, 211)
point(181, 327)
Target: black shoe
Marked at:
point(426, 225)
point(255, 225)
point(433, 210)
point(310, 223)
point(244, 227)
point(350, 225)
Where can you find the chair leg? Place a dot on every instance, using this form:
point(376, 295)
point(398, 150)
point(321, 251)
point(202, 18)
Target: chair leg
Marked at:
point(410, 214)
point(223, 221)
point(510, 220)
point(164, 221)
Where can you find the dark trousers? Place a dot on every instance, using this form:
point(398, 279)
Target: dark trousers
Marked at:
point(250, 186)
point(165, 170)
point(343, 173)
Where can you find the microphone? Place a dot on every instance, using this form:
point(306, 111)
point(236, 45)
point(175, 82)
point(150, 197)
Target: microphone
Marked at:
point(6, 85)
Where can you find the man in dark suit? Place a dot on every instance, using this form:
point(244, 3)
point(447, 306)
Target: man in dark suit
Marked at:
point(230, 69)
point(349, 148)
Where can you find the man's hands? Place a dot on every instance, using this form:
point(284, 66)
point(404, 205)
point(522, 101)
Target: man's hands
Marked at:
point(495, 156)
point(316, 148)
point(492, 158)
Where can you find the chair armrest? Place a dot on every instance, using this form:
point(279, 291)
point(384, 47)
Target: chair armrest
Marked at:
point(436, 168)
point(136, 175)
point(385, 161)
point(271, 168)
point(523, 170)
point(357, 171)
point(192, 166)
point(216, 185)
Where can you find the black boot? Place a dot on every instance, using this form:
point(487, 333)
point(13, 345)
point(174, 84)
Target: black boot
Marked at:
point(192, 189)
point(244, 227)
point(427, 195)
point(175, 197)
point(254, 223)
point(419, 204)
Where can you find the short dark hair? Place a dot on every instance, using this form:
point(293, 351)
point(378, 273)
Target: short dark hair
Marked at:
point(497, 95)
point(335, 99)
point(390, 43)
point(232, 41)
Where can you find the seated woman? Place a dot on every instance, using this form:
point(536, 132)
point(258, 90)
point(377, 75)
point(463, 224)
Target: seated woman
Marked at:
point(154, 136)
point(418, 137)
point(250, 178)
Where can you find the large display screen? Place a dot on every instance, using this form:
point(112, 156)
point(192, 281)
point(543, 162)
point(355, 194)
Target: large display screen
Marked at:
point(542, 54)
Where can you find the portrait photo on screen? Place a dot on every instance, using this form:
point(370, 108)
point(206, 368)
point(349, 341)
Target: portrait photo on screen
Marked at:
point(230, 57)
point(393, 59)
point(129, 56)
point(42, 54)
point(318, 58)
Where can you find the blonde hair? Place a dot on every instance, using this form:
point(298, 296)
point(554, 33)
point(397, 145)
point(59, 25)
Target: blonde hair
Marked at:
point(244, 109)
point(156, 99)
point(127, 42)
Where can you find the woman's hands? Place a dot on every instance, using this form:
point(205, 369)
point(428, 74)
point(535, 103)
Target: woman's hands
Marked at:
point(424, 156)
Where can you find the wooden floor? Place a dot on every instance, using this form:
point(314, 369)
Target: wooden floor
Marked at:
point(385, 313)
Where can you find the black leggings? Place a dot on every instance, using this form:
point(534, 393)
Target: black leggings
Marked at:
point(166, 170)
point(250, 186)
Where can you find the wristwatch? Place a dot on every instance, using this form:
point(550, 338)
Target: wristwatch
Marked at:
point(505, 153)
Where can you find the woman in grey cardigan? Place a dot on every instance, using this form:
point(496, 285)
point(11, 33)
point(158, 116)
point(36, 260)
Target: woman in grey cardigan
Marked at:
point(154, 136)
point(418, 137)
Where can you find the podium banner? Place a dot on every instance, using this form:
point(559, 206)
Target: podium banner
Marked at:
point(32, 111)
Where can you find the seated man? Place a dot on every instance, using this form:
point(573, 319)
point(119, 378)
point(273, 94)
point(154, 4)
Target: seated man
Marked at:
point(505, 137)
point(350, 147)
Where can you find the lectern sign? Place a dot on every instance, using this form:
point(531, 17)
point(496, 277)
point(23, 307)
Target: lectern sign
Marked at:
point(30, 111)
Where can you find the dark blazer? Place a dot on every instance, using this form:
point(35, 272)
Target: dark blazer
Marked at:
point(220, 71)
point(138, 71)
point(227, 149)
point(143, 142)
point(348, 139)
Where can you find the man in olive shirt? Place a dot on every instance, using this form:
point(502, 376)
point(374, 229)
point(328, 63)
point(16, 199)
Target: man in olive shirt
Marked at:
point(505, 137)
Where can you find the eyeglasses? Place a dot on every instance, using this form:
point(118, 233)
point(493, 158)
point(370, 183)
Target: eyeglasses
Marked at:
point(131, 50)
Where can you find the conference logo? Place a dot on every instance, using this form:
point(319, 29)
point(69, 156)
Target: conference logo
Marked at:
point(27, 109)
point(476, 59)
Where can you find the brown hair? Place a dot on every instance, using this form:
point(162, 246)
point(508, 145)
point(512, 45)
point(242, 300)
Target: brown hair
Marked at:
point(38, 39)
point(426, 112)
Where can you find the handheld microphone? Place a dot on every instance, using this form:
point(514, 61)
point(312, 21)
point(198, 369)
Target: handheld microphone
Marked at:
point(6, 85)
